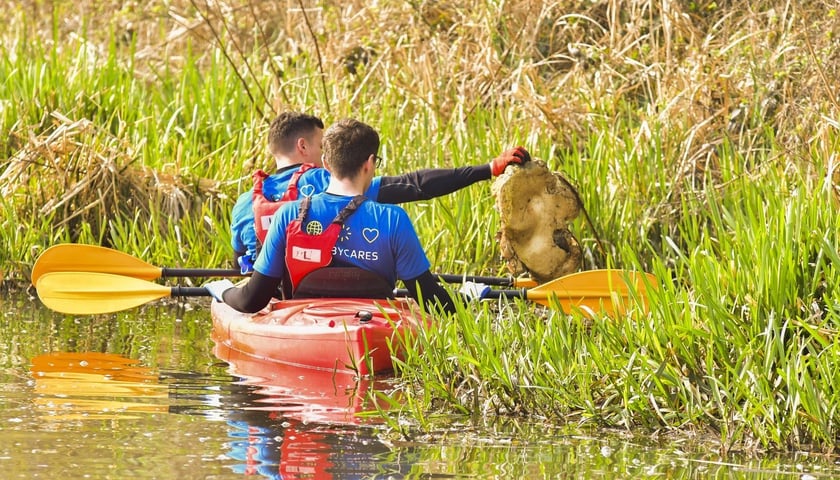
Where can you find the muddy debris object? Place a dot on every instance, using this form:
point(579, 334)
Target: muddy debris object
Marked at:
point(535, 207)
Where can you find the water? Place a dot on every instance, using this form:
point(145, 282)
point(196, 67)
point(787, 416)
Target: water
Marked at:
point(146, 394)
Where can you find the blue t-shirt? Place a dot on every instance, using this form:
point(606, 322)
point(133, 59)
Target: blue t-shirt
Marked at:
point(314, 180)
point(377, 237)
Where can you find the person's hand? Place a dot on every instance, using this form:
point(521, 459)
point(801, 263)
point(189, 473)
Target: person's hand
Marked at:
point(246, 263)
point(473, 290)
point(516, 155)
point(217, 287)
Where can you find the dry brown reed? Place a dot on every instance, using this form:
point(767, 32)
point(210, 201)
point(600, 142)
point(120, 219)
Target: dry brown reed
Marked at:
point(82, 177)
point(688, 77)
point(716, 70)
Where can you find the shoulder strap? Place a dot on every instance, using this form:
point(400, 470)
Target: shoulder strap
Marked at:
point(349, 209)
point(259, 177)
point(291, 192)
point(303, 209)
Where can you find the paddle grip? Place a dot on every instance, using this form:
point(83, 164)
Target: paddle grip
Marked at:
point(516, 293)
point(180, 291)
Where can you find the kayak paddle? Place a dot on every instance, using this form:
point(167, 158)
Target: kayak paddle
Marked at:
point(78, 257)
point(90, 293)
point(609, 291)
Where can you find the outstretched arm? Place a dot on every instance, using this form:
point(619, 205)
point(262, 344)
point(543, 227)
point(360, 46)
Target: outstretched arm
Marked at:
point(435, 182)
point(433, 294)
point(429, 183)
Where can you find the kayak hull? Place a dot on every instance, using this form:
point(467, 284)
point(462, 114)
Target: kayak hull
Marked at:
point(335, 334)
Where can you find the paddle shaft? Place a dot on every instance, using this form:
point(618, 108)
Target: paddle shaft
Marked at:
point(222, 272)
point(496, 281)
point(179, 291)
point(200, 272)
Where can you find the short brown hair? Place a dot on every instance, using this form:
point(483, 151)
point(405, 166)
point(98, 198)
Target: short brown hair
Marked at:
point(287, 127)
point(348, 144)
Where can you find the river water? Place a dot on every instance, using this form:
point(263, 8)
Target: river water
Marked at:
point(146, 394)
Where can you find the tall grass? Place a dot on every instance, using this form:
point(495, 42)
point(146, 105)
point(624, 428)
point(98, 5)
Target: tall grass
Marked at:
point(702, 138)
point(739, 340)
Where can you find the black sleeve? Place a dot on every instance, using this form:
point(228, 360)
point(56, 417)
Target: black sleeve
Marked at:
point(433, 294)
point(429, 183)
point(254, 295)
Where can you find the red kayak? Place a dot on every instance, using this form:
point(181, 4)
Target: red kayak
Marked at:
point(335, 334)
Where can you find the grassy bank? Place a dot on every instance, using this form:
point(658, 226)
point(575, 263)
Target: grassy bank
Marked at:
point(702, 139)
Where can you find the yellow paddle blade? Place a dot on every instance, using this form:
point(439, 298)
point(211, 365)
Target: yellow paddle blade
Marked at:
point(88, 293)
point(608, 291)
point(76, 257)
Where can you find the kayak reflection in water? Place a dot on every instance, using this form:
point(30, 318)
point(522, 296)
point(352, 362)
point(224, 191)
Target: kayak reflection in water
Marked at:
point(301, 423)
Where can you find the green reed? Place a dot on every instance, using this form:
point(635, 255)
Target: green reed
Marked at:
point(739, 341)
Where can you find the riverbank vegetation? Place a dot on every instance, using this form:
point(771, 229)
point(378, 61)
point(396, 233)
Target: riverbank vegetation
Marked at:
point(703, 139)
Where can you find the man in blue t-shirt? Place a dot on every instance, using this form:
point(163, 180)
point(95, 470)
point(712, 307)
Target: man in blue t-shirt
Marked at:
point(375, 237)
point(294, 142)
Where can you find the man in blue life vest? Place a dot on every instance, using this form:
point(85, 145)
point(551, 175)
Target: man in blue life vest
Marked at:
point(295, 143)
point(339, 226)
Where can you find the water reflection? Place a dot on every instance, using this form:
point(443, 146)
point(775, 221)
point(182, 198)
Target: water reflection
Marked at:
point(94, 386)
point(281, 421)
point(299, 422)
point(264, 443)
point(179, 411)
point(305, 394)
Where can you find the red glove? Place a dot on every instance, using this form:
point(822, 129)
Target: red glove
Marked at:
point(516, 155)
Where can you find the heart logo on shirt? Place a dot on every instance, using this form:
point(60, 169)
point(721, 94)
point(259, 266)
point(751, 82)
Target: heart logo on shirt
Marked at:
point(370, 234)
point(307, 190)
